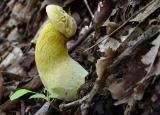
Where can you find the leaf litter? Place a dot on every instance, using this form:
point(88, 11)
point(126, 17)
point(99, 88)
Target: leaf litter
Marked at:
point(123, 65)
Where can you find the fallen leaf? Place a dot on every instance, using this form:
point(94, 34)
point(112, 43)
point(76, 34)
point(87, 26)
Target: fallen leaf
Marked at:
point(102, 13)
point(148, 59)
point(131, 71)
point(16, 54)
point(14, 36)
point(103, 62)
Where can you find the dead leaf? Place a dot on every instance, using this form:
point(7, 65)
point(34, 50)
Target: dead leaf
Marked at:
point(148, 59)
point(103, 11)
point(14, 36)
point(103, 62)
point(9, 105)
point(131, 71)
point(15, 54)
point(111, 26)
point(27, 62)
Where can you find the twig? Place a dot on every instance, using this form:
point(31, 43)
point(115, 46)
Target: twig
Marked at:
point(89, 9)
point(72, 104)
point(22, 107)
point(43, 109)
point(98, 42)
point(53, 106)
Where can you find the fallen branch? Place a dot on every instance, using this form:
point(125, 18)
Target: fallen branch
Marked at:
point(89, 9)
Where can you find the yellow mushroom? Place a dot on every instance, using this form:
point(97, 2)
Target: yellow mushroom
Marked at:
point(60, 74)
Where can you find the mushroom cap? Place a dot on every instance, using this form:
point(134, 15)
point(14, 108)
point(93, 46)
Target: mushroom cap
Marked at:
point(62, 22)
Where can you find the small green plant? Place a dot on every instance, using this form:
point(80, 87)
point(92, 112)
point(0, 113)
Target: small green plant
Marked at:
point(21, 92)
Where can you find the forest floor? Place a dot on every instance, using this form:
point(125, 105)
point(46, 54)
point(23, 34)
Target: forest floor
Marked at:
point(117, 42)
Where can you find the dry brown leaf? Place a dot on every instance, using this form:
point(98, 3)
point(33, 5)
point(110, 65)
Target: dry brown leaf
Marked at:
point(148, 59)
point(33, 85)
point(9, 105)
point(103, 11)
point(27, 61)
point(103, 62)
point(15, 54)
point(116, 88)
point(111, 26)
point(131, 71)
point(14, 36)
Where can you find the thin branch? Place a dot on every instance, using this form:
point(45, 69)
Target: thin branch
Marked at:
point(89, 9)
point(72, 104)
point(22, 107)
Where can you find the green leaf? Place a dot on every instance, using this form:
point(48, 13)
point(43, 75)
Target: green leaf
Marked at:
point(39, 95)
point(19, 93)
point(53, 96)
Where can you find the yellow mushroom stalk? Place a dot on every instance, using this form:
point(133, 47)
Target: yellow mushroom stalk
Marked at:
point(60, 74)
